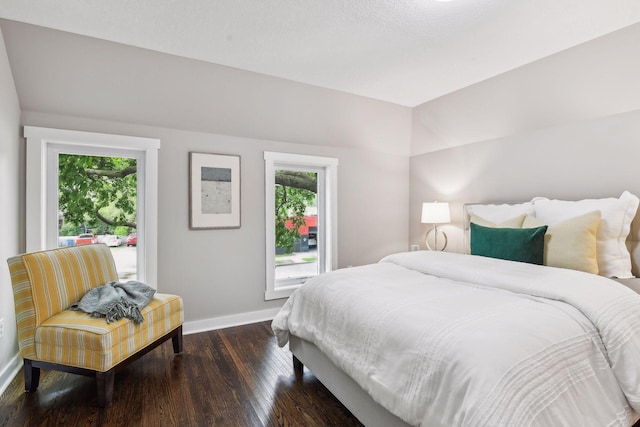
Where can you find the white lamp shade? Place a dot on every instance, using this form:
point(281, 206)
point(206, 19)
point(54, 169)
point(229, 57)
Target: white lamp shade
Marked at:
point(435, 213)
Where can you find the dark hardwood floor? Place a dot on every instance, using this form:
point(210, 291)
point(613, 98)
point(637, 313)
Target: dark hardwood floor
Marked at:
point(230, 377)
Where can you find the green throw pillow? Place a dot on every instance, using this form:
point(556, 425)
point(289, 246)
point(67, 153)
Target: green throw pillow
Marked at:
point(513, 244)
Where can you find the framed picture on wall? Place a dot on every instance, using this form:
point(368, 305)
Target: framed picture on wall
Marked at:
point(214, 191)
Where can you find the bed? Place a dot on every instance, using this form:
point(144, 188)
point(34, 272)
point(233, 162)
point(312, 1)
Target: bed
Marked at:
point(444, 339)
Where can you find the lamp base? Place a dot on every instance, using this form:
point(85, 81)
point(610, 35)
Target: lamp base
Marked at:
point(436, 231)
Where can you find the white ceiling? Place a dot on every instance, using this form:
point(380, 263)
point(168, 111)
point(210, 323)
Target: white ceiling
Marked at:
point(403, 51)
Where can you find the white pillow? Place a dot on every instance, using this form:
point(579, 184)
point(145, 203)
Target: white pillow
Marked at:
point(613, 256)
point(515, 222)
point(501, 213)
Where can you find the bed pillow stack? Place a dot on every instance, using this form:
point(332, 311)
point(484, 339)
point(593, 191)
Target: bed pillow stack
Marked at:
point(587, 235)
point(613, 256)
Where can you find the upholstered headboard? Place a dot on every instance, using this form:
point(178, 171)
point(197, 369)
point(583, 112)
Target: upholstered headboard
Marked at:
point(632, 241)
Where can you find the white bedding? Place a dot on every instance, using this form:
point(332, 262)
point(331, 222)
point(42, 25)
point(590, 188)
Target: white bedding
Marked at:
point(443, 339)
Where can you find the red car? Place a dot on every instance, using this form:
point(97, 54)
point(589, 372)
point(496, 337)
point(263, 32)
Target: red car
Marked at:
point(132, 239)
point(86, 239)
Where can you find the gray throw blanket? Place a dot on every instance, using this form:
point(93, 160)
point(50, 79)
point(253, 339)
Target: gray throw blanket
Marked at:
point(116, 300)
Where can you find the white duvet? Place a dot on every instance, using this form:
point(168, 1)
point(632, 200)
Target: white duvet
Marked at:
point(443, 339)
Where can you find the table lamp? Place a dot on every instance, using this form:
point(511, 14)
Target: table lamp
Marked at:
point(435, 213)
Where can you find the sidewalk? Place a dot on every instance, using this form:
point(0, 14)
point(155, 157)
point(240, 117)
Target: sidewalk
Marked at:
point(297, 258)
point(296, 265)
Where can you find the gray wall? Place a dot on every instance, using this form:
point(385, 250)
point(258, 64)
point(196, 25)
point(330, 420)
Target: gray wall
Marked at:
point(594, 158)
point(566, 126)
point(80, 83)
point(11, 212)
point(222, 272)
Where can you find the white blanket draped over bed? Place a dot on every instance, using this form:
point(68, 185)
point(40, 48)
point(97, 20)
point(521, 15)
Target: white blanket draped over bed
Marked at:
point(442, 339)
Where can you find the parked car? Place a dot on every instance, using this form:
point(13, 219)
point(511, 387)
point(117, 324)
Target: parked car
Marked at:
point(112, 241)
point(86, 239)
point(132, 239)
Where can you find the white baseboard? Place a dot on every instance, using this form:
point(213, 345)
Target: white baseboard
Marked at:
point(228, 321)
point(9, 373)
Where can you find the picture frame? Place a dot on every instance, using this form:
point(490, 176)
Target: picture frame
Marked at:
point(214, 191)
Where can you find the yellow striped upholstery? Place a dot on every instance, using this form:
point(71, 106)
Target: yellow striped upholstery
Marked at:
point(66, 275)
point(74, 338)
point(46, 283)
point(25, 311)
point(62, 277)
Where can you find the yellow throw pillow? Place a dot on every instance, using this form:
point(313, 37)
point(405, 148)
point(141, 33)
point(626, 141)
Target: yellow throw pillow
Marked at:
point(510, 223)
point(572, 243)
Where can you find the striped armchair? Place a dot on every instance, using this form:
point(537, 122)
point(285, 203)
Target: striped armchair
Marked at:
point(51, 336)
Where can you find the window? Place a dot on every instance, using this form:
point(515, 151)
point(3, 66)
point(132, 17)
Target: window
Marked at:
point(44, 148)
point(97, 203)
point(300, 215)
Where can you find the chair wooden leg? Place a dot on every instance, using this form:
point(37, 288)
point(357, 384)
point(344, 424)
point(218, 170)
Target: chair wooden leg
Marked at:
point(31, 376)
point(177, 341)
point(105, 382)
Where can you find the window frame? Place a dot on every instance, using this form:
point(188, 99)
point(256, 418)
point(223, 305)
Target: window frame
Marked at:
point(327, 169)
point(43, 147)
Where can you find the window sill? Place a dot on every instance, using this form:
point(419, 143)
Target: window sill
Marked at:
point(280, 292)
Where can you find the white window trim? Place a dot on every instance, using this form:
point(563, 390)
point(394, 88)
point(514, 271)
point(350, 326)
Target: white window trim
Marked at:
point(42, 143)
point(329, 188)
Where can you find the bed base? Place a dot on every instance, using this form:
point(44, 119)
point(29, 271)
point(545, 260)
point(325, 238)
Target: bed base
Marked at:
point(345, 389)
